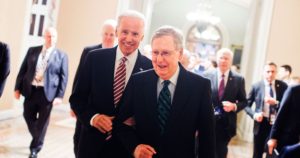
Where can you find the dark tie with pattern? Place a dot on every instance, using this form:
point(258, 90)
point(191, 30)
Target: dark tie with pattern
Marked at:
point(221, 87)
point(119, 81)
point(164, 105)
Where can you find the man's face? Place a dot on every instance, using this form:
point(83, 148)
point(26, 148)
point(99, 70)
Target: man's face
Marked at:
point(130, 33)
point(270, 73)
point(165, 57)
point(224, 61)
point(108, 36)
point(50, 39)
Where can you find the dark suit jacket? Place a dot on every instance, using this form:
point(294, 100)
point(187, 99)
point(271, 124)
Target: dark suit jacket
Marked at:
point(257, 96)
point(235, 93)
point(93, 93)
point(55, 76)
point(286, 128)
point(191, 110)
point(4, 65)
point(84, 54)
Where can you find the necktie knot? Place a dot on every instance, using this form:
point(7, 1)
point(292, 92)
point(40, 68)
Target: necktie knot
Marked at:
point(123, 60)
point(166, 83)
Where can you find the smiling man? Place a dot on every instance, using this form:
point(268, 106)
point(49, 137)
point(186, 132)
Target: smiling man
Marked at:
point(168, 105)
point(98, 92)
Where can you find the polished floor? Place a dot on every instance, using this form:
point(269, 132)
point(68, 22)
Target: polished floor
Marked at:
point(15, 139)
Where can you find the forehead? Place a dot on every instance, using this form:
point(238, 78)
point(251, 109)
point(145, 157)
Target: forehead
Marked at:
point(224, 54)
point(163, 42)
point(270, 68)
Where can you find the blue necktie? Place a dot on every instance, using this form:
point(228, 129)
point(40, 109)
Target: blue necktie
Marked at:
point(164, 105)
point(271, 91)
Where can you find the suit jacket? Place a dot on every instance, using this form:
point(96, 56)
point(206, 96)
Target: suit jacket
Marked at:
point(286, 128)
point(257, 96)
point(191, 110)
point(93, 92)
point(55, 76)
point(233, 92)
point(84, 54)
point(4, 65)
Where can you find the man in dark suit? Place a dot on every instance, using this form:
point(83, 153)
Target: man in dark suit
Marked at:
point(4, 65)
point(108, 41)
point(228, 96)
point(42, 80)
point(98, 92)
point(286, 129)
point(167, 106)
point(266, 95)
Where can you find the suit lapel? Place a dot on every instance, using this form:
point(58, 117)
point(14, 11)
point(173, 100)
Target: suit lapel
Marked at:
point(180, 95)
point(262, 91)
point(229, 85)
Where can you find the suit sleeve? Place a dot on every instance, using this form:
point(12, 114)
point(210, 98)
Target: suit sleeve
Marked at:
point(126, 133)
point(79, 100)
point(283, 114)
point(22, 71)
point(63, 77)
point(5, 67)
point(242, 100)
point(206, 127)
point(250, 100)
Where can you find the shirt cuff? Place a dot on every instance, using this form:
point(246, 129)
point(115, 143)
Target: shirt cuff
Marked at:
point(235, 107)
point(92, 119)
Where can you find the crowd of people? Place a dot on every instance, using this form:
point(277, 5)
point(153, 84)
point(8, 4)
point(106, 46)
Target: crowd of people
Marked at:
point(164, 105)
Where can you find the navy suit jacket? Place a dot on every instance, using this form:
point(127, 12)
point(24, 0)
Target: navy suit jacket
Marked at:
point(286, 128)
point(84, 54)
point(93, 93)
point(4, 65)
point(233, 92)
point(55, 76)
point(257, 96)
point(191, 110)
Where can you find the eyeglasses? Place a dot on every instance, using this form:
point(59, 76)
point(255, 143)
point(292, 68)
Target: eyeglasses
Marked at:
point(162, 54)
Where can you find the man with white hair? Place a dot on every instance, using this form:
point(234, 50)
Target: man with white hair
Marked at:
point(98, 92)
point(229, 97)
point(42, 80)
point(108, 41)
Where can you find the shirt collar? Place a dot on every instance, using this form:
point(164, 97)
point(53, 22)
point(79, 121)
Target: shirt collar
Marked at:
point(130, 58)
point(220, 73)
point(268, 83)
point(173, 79)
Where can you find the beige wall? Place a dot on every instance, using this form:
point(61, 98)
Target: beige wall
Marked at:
point(79, 25)
point(284, 46)
point(12, 32)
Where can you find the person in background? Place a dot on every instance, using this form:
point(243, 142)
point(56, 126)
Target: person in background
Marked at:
point(98, 93)
point(286, 129)
point(185, 59)
point(42, 80)
point(284, 73)
point(4, 65)
point(165, 107)
point(266, 94)
point(229, 97)
point(108, 41)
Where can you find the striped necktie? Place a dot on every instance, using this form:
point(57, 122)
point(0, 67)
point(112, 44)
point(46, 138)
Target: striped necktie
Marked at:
point(164, 105)
point(119, 81)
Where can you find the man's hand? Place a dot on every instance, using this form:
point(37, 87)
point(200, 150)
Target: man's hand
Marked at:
point(228, 106)
point(57, 101)
point(258, 116)
point(272, 143)
point(17, 94)
point(271, 101)
point(144, 151)
point(103, 123)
